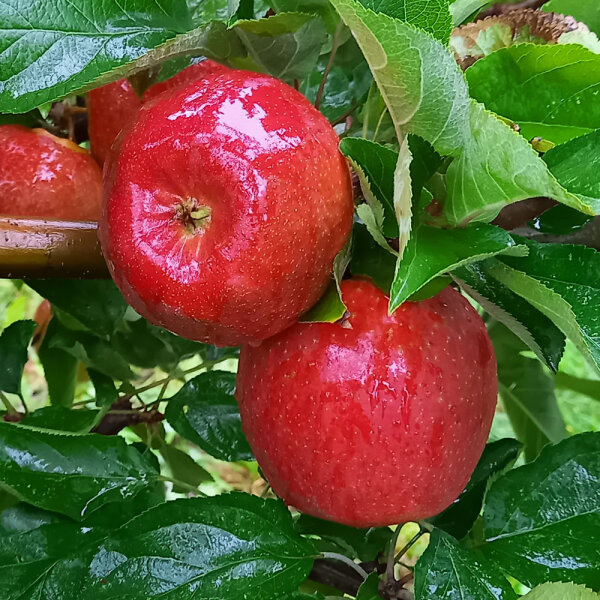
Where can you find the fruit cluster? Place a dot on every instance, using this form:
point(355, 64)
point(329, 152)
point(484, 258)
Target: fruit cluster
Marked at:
point(225, 203)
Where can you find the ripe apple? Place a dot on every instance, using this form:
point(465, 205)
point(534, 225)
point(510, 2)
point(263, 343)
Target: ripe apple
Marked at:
point(114, 106)
point(376, 421)
point(110, 109)
point(225, 208)
point(44, 176)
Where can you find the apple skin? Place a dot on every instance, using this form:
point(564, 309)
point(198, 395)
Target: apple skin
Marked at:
point(47, 177)
point(378, 420)
point(257, 156)
point(112, 107)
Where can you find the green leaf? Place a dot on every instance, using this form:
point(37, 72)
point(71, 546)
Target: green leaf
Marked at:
point(459, 517)
point(369, 588)
point(70, 474)
point(183, 468)
point(60, 371)
point(446, 570)
point(534, 328)
point(163, 552)
point(369, 258)
point(286, 45)
point(366, 544)
point(106, 391)
point(587, 387)
point(204, 11)
point(527, 392)
point(549, 90)
point(575, 165)
point(586, 12)
point(37, 35)
point(347, 83)
point(63, 419)
point(462, 10)
point(375, 165)
point(320, 8)
point(431, 15)
point(561, 281)
point(426, 95)
point(94, 352)
point(560, 220)
point(97, 304)
point(432, 252)
point(542, 520)
point(205, 412)
point(561, 591)
point(14, 342)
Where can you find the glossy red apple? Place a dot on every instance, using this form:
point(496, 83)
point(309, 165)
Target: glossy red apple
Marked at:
point(114, 106)
point(225, 208)
point(376, 421)
point(44, 176)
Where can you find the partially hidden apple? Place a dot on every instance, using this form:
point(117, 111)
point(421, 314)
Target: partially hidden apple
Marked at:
point(45, 176)
point(112, 107)
point(225, 207)
point(375, 421)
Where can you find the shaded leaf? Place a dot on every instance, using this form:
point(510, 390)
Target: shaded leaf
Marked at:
point(533, 327)
point(14, 342)
point(587, 387)
point(369, 588)
point(60, 371)
point(106, 391)
point(369, 258)
point(205, 412)
point(70, 474)
point(183, 468)
point(446, 570)
point(61, 419)
point(542, 520)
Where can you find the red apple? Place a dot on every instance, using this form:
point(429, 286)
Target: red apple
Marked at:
point(225, 208)
point(114, 106)
point(378, 420)
point(110, 109)
point(44, 176)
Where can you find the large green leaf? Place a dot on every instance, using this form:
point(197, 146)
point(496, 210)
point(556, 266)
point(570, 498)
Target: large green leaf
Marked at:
point(205, 412)
point(459, 517)
point(587, 387)
point(586, 12)
point(426, 94)
point(561, 591)
point(286, 45)
point(14, 342)
point(432, 251)
point(52, 47)
point(527, 392)
point(576, 166)
point(542, 520)
point(97, 304)
point(549, 90)
point(431, 15)
point(446, 570)
point(70, 474)
point(562, 281)
point(533, 327)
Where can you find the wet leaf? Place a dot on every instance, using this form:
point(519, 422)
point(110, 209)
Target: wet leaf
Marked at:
point(205, 412)
point(542, 520)
point(70, 474)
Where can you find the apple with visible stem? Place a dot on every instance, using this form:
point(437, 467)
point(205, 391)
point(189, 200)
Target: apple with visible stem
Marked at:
point(113, 107)
point(375, 421)
point(45, 176)
point(225, 208)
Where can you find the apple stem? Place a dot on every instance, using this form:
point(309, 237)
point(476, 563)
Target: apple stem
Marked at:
point(346, 560)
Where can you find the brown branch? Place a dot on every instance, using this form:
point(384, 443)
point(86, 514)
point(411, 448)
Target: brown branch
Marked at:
point(586, 236)
point(111, 424)
point(43, 248)
point(337, 575)
point(519, 214)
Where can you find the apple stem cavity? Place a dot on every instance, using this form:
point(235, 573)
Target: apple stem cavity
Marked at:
point(193, 216)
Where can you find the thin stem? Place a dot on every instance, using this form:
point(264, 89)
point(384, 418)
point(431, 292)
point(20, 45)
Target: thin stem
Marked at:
point(334, 48)
point(10, 409)
point(346, 560)
point(163, 391)
point(389, 572)
point(410, 544)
